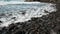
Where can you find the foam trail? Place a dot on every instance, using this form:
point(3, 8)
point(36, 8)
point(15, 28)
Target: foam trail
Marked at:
point(15, 15)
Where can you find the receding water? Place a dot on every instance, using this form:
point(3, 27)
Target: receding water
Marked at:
point(23, 12)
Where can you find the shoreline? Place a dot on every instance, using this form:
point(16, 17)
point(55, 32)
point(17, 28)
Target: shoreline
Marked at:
point(35, 24)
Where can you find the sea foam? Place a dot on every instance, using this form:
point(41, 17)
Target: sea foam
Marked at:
point(23, 11)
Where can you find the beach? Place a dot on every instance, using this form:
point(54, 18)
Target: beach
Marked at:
point(46, 22)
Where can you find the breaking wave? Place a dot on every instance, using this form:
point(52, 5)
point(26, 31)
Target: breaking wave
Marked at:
point(13, 13)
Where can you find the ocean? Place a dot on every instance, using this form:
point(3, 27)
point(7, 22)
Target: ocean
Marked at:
point(12, 0)
point(13, 12)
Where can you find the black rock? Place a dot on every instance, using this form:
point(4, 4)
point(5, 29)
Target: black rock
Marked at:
point(1, 22)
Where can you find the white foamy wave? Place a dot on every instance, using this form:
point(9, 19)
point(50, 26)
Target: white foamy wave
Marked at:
point(14, 16)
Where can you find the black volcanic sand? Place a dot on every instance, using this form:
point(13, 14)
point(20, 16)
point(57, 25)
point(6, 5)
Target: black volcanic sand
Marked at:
point(47, 24)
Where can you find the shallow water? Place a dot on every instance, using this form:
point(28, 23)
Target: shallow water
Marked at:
point(13, 13)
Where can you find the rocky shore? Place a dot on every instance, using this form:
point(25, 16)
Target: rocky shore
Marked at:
point(47, 24)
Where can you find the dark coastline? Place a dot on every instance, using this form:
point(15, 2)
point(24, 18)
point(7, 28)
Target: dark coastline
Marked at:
point(39, 25)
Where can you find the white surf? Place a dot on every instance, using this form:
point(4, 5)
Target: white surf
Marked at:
point(23, 11)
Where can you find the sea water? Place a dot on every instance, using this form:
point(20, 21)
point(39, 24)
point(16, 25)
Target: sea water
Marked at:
point(13, 12)
point(12, 0)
